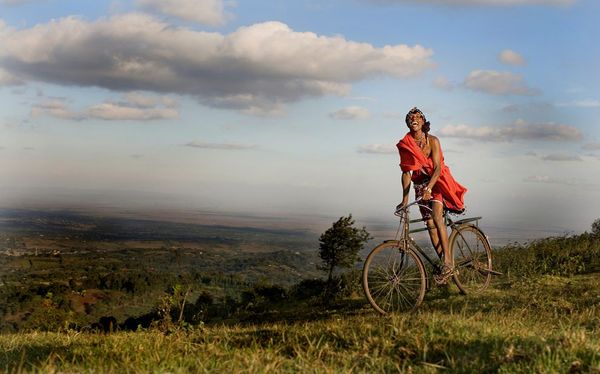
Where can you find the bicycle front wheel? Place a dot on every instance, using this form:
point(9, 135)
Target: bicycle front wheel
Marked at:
point(394, 278)
point(472, 259)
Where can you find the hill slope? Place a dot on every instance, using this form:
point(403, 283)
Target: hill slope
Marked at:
point(550, 324)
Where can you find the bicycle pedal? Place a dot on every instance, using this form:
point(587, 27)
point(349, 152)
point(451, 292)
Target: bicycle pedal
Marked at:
point(440, 281)
point(443, 278)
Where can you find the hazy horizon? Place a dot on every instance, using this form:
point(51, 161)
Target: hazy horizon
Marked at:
point(173, 208)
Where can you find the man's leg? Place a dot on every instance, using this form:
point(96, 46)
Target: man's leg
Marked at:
point(441, 230)
point(433, 235)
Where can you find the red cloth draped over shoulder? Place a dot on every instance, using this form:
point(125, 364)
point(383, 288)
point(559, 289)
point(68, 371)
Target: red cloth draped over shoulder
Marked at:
point(412, 158)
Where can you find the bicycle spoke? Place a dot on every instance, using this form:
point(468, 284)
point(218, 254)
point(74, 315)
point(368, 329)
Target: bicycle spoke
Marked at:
point(394, 281)
point(472, 259)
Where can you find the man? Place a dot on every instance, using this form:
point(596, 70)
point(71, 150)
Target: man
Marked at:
point(422, 162)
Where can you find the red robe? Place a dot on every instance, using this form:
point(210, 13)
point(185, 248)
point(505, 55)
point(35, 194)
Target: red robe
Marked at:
point(412, 158)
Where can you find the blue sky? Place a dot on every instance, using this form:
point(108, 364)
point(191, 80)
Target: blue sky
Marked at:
point(295, 107)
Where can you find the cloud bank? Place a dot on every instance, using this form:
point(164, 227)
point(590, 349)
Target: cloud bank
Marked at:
point(256, 69)
point(55, 108)
point(209, 12)
point(498, 83)
point(350, 113)
point(136, 106)
point(519, 130)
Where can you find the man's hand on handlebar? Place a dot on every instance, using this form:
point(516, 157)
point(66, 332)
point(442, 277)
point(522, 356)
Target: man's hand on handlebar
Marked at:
point(426, 196)
point(402, 204)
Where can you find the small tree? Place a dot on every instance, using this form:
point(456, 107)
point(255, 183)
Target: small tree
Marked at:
point(340, 244)
point(596, 228)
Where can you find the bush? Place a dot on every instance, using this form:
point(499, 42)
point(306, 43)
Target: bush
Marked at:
point(563, 256)
point(596, 228)
point(339, 245)
point(308, 288)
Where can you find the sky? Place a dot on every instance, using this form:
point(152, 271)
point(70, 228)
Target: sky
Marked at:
point(294, 107)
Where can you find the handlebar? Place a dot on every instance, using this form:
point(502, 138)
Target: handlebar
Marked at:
point(401, 210)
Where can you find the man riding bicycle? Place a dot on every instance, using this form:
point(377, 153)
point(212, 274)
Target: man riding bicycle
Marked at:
point(422, 162)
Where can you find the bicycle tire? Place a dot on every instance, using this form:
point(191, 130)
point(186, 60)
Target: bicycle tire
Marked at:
point(394, 278)
point(472, 259)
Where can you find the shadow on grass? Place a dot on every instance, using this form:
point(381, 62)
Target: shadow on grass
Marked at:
point(31, 357)
point(304, 312)
point(484, 354)
point(551, 296)
point(542, 294)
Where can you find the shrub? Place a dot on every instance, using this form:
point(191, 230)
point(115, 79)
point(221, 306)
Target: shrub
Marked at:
point(596, 228)
point(308, 288)
point(564, 256)
point(340, 244)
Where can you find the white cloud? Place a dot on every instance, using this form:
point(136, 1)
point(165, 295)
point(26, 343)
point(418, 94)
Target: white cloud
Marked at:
point(248, 104)
point(209, 12)
point(510, 57)
point(351, 112)
point(533, 107)
point(553, 180)
point(498, 83)
point(258, 68)
point(136, 107)
point(479, 2)
point(378, 149)
point(119, 111)
point(591, 146)
point(7, 79)
point(518, 130)
point(587, 103)
point(140, 100)
point(55, 108)
point(443, 84)
point(223, 146)
point(560, 157)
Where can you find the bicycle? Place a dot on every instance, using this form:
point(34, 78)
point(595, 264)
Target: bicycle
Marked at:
point(395, 277)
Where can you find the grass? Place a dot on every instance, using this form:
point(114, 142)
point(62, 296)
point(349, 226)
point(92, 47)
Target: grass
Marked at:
point(547, 324)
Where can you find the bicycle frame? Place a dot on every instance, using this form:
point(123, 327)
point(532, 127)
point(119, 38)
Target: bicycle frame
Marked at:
point(403, 213)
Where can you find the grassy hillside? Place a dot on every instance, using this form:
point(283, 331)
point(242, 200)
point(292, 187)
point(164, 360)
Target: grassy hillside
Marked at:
point(542, 315)
point(550, 324)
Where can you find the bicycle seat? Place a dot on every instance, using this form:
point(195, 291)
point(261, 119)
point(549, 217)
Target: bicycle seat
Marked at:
point(454, 211)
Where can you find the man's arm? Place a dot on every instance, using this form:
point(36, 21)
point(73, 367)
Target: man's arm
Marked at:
point(437, 162)
point(405, 186)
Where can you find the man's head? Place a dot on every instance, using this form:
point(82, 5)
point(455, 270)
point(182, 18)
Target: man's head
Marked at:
point(417, 118)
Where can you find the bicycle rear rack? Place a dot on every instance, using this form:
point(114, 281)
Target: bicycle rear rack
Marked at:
point(449, 222)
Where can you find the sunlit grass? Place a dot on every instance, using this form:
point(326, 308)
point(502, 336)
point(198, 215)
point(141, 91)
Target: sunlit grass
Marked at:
point(550, 324)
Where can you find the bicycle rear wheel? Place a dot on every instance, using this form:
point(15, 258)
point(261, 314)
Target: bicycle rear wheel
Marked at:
point(472, 259)
point(394, 278)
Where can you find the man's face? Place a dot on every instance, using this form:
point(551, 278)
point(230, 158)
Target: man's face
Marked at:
point(415, 121)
